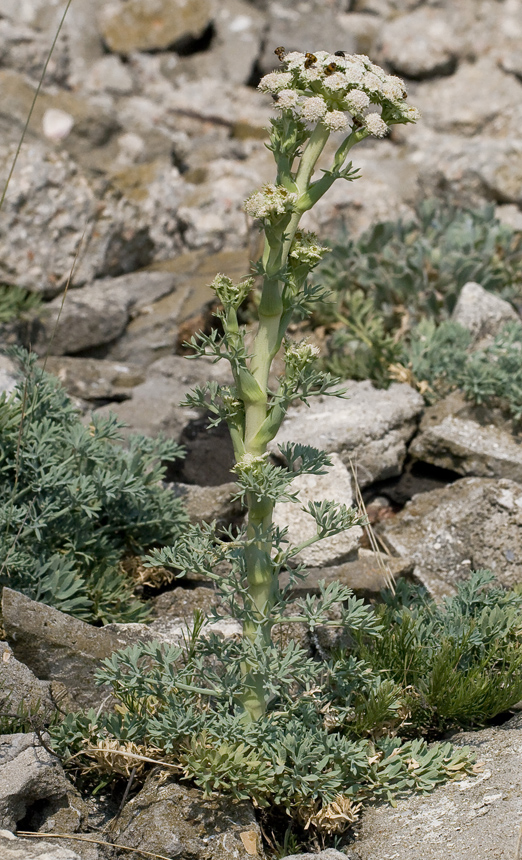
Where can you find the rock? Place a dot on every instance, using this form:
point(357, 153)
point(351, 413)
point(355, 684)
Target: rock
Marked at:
point(51, 214)
point(28, 774)
point(472, 524)
point(110, 74)
point(154, 407)
point(366, 575)
point(469, 171)
point(138, 25)
point(335, 485)
point(22, 693)
point(8, 374)
point(240, 29)
point(481, 312)
point(422, 44)
point(87, 318)
point(59, 647)
point(98, 313)
point(12, 848)
point(170, 819)
point(470, 100)
point(452, 436)
point(369, 427)
point(208, 504)
point(183, 602)
point(475, 817)
point(95, 380)
point(327, 854)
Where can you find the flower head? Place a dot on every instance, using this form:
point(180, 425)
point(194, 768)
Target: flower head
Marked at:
point(270, 200)
point(332, 88)
point(375, 125)
point(313, 108)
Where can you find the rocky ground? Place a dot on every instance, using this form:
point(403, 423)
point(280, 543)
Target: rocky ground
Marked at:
point(146, 138)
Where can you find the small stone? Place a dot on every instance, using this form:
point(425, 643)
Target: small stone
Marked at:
point(57, 124)
point(482, 313)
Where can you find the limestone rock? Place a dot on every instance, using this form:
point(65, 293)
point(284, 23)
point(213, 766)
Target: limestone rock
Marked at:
point(474, 817)
point(7, 374)
point(469, 171)
point(95, 380)
point(22, 692)
point(154, 407)
point(335, 485)
point(481, 312)
point(472, 524)
point(470, 100)
point(12, 848)
point(469, 440)
point(142, 25)
point(421, 44)
point(52, 214)
point(327, 854)
point(173, 820)
point(208, 504)
point(87, 318)
point(364, 575)
point(99, 313)
point(28, 773)
point(57, 646)
point(369, 427)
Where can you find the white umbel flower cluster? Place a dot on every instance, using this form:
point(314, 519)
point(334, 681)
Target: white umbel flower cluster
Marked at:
point(338, 90)
point(269, 201)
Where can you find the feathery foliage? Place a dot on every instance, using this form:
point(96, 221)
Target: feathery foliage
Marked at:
point(458, 664)
point(399, 273)
point(74, 501)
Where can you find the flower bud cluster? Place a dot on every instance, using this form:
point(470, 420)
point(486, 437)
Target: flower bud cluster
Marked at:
point(339, 90)
point(269, 201)
point(307, 249)
point(299, 355)
point(229, 293)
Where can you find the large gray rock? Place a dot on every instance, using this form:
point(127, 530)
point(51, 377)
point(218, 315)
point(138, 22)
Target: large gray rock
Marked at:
point(369, 427)
point(57, 646)
point(335, 485)
point(470, 101)
point(52, 211)
point(12, 848)
point(154, 407)
point(99, 313)
point(89, 317)
point(327, 854)
point(7, 374)
point(22, 693)
point(94, 380)
point(28, 773)
point(366, 575)
point(422, 44)
point(208, 504)
point(469, 171)
point(62, 648)
point(173, 820)
point(469, 440)
point(472, 524)
point(141, 25)
point(475, 817)
point(483, 313)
